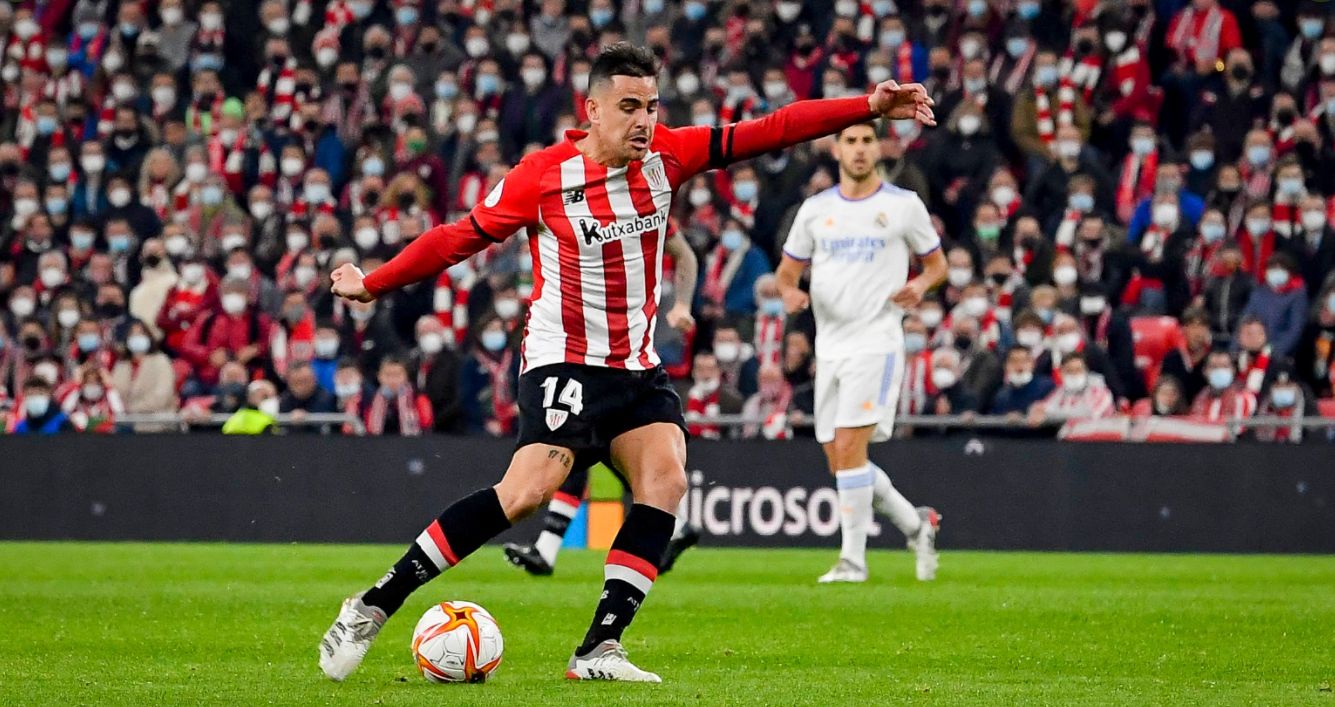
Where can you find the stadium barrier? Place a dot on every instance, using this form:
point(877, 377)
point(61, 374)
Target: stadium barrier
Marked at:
point(994, 493)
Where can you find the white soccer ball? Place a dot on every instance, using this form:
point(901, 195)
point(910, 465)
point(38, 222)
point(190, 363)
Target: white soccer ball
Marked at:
point(457, 641)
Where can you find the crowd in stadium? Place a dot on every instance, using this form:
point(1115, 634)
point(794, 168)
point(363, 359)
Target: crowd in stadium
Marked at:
point(1134, 198)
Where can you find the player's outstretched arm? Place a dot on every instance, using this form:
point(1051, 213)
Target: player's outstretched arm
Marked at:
point(686, 268)
point(426, 256)
point(803, 121)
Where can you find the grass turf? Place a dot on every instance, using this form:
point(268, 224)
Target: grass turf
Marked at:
point(147, 624)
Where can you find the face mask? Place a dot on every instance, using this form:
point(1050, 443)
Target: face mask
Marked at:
point(771, 307)
point(52, 278)
point(698, 197)
point(1090, 306)
point(232, 241)
point(36, 405)
point(931, 318)
point(1165, 216)
point(969, 124)
point(1284, 397)
point(56, 206)
point(326, 348)
point(695, 11)
point(1276, 277)
point(943, 378)
point(745, 190)
point(1290, 186)
point(1330, 303)
point(892, 38)
point(466, 122)
point(1045, 76)
point(1020, 379)
point(1115, 41)
point(211, 195)
point(904, 128)
point(1212, 232)
point(292, 166)
point(974, 306)
point(112, 62)
point(476, 47)
point(261, 210)
point(1327, 64)
point(1142, 145)
point(192, 273)
point(488, 84)
point(119, 198)
point(1016, 47)
point(46, 125)
point(493, 340)
point(1258, 226)
point(775, 90)
point(1068, 342)
point(1003, 195)
point(788, 11)
point(975, 85)
point(93, 163)
point(1074, 383)
point(727, 352)
point(399, 91)
point(1068, 149)
point(507, 308)
point(832, 90)
point(533, 77)
point(89, 342)
point(1065, 275)
point(234, 303)
point(137, 343)
point(1220, 378)
point(914, 342)
point(297, 240)
point(22, 307)
point(732, 240)
point(969, 48)
point(1258, 155)
point(326, 56)
point(688, 84)
point(92, 391)
point(366, 237)
point(1313, 220)
point(959, 277)
point(317, 192)
point(1081, 201)
point(363, 315)
point(1202, 159)
point(81, 241)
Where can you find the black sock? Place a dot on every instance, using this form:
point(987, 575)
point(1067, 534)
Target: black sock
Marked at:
point(632, 566)
point(460, 530)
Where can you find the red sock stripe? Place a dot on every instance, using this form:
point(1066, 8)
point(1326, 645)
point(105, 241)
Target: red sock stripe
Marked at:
point(566, 498)
point(639, 564)
point(442, 544)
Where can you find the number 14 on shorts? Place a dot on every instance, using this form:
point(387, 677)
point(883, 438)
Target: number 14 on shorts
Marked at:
point(572, 396)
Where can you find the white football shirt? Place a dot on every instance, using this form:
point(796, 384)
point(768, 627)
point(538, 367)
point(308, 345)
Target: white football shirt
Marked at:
point(859, 250)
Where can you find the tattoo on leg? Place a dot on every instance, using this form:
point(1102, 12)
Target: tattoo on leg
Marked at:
point(562, 456)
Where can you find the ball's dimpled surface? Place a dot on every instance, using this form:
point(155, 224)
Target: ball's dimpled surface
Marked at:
point(457, 641)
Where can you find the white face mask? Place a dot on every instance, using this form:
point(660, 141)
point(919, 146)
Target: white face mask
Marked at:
point(727, 352)
point(119, 198)
point(1068, 342)
point(261, 210)
point(196, 171)
point(1165, 216)
point(51, 277)
point(297, 240)
point(698, 197)
point(507, 308)
point(326, 56)
point(943, 378)
point(303, 275)
point(1020, 379)
point(1076, 382)
point(1003, 195)
point(974, 306)
point(22, 307)
point(1314, 220)
point(240, 271)
point(959, 277)
point(137, 343)
point(431, 342)
point(1065, 275)
point(1092, 305)
point(67, 318)
point(232, 241)
point(268, 406)
point(931, 318)
point(93, 163)
point(172, 16)
point(1276, 277)
point(92, 391)
point(399, 91)
point(366, 237)
point(36, 405)
point(291, 166)
point(234, 303)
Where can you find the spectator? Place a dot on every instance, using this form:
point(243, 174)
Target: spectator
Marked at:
point(1227, 293)
point(38, 415)
point(488, 380)
point(1166, 400)
point(769, 405)
point(1022, 387)
point(436, 369)
point(304, 396)
point(1042, 109)
point(951, 397)
point(979, 369)
point(257, 415)
point(394, 408)
point(1313, 245)
point(194, 294)
point(157, 280)
point(94, 404)
point(237, 332)
point(1280, 305)
point(349, 383)
point(707, 397)
point(143, 377)
point(1315, 360)
point(367, 331)
point(1186, 363)
point(736, 360)
point(1257, 360)
point(1225, 397)
point(1069, 340)
point(1291, 400)
point(730, 272)
point(1081, 396)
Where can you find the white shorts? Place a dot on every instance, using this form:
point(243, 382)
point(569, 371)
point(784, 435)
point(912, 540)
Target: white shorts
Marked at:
point(857, 392)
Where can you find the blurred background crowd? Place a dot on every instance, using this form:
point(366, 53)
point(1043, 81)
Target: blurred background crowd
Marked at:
point(1134, 197)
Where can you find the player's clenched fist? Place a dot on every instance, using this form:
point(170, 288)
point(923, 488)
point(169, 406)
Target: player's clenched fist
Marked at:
point(795, 300)
point(348, 283)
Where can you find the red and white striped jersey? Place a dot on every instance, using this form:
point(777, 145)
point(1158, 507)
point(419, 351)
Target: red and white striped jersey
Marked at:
point(596, 234)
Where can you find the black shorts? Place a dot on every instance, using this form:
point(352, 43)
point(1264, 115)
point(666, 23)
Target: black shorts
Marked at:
point(583, 408)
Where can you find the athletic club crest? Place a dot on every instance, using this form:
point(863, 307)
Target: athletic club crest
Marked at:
point(556, 418)
point(653, 173)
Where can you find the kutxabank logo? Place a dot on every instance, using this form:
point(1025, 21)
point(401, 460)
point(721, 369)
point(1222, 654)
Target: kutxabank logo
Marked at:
point(593, 232)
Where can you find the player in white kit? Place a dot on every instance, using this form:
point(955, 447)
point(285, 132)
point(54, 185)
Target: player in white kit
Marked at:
point(858, 238)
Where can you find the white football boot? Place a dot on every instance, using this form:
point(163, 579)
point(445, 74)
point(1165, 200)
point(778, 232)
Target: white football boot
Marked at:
point(607, 661)
point(923, 544)
point(844, 571)
point(346, 642)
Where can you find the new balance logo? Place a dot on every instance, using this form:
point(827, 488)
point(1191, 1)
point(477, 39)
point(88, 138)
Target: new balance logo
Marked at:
point(592, 232)
point(607, 620)
point(573, 196)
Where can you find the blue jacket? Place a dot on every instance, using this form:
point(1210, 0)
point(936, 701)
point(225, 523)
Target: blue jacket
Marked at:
point(1012, 399)
point(324, 372)
point(740, 297)
point(51, 424)
point(1192, 208)
point(1283, 313)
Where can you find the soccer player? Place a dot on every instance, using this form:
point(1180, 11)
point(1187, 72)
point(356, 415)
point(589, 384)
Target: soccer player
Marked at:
point(858, 238)
point(595, 207)
point(539, 559)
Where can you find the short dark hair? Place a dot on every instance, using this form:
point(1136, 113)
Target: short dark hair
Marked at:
point(36, 383)
point(622, 59)
point(868, 123)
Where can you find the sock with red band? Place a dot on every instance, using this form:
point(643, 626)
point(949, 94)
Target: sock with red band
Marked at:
point(460, 530)
point(632, 567)
point(560, 511)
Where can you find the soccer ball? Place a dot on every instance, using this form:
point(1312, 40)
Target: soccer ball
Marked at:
point(457, 641)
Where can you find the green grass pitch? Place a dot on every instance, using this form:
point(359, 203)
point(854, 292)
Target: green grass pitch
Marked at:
point(167, 624)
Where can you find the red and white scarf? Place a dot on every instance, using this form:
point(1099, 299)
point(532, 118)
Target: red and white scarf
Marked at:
point(280, 91)
point(1013, 81)
point(1253, 366)
point(720, 267)
point(1126, 70)
point(450, 301)
point(917, 387)
point(297, 345)
point(1231, 403)
point(1201, 264)
point(1066, 229)
point(768, 339)
point(1195, 36)
point(903, 66)
point(405, 401)
point(1136, 184)
point(701, 403)
point(1084, 74)
point(1285, 217)
point(1047, 122)
point(502, 397)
